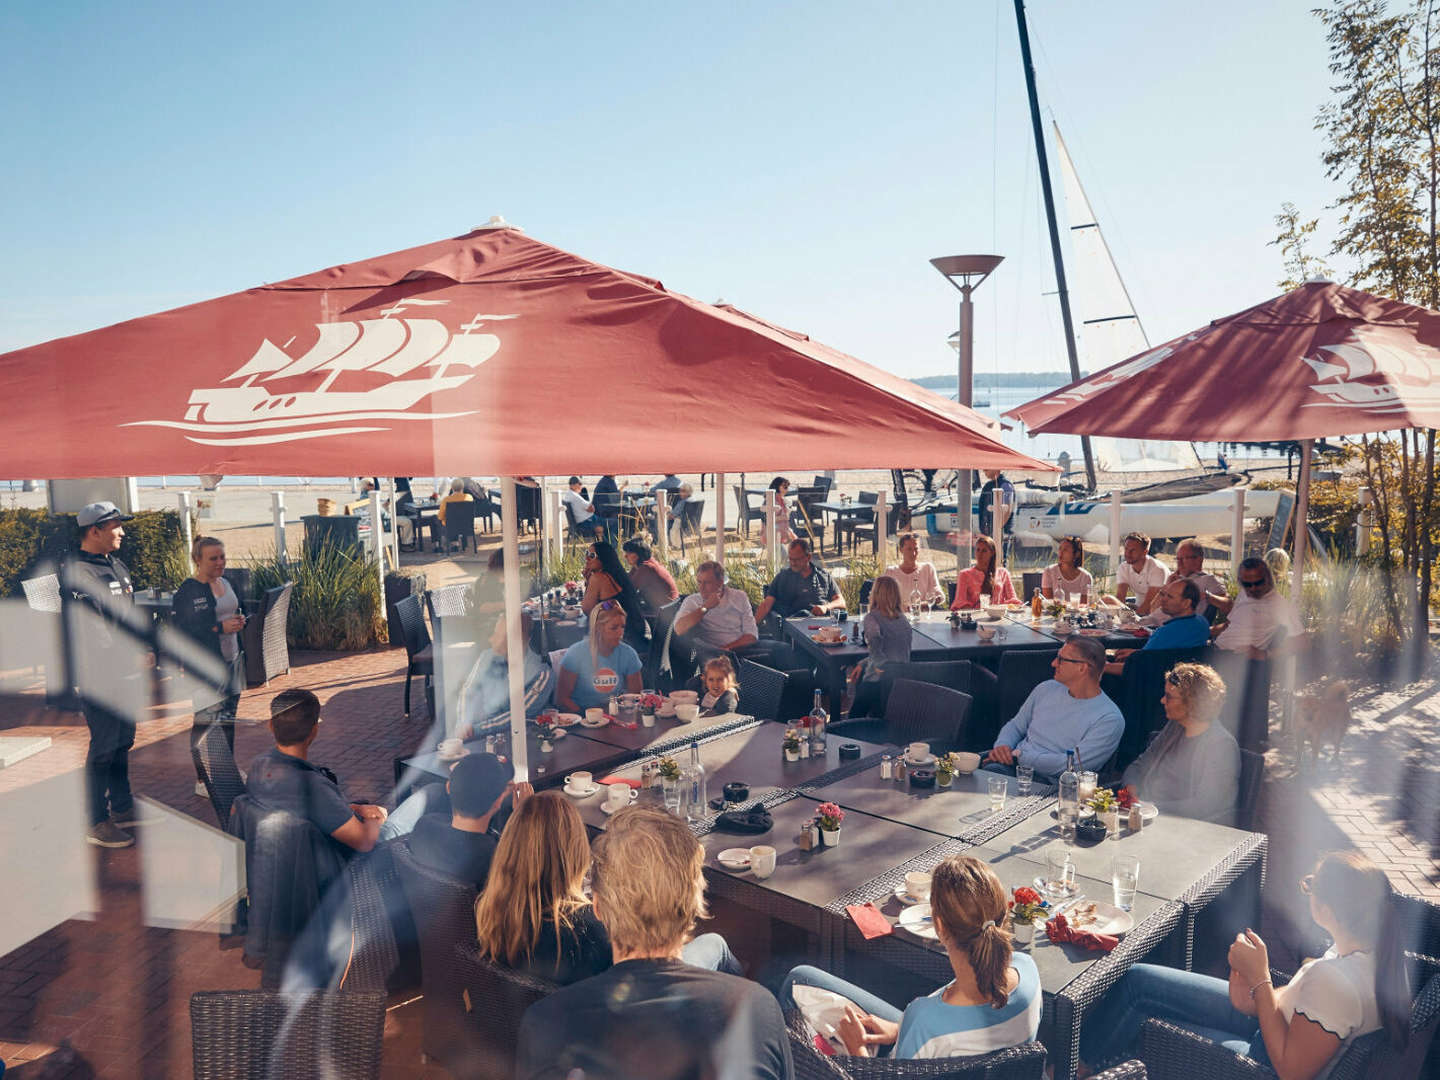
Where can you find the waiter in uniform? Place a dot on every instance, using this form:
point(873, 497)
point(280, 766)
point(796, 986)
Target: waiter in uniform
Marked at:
point(111, 654)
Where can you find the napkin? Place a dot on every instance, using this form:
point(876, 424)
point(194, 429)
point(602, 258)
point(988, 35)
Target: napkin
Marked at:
point(869, 920)
point(1060, 932)
point(754, 821)
point(619, 780)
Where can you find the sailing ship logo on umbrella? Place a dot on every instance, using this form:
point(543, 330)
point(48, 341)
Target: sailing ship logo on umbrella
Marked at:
point(253, 413)
point(1381, 370)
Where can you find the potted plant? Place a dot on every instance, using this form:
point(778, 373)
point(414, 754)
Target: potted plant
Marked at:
point(792, 745)
point(1107, 810)
point(945, 769)
point(829, 816)
point(669, 770)
point(649, 702)
point(1026, 907)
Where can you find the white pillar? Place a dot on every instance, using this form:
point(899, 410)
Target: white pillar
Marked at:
point(720, 518)
point(1364, 521)
point(377, 539)
point(1117, 547)
point(185, 521)
point(394, 533)
point(277, 511)
point(772, 527)
point(1237, 534)
point(557, 511)
point(1302, 518)
point(881, 555)
point(515, 645)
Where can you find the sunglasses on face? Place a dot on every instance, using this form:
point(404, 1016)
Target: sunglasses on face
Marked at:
point(609, 605)
point(1256, 584)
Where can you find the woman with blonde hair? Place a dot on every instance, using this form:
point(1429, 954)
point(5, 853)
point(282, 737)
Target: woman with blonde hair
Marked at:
point(888, 634)
point(601, 665)
point(533, 915)
point(207, 610)
point(1192, 768)
point(993, 1001)
point(1300, 1029)
point(984, 577)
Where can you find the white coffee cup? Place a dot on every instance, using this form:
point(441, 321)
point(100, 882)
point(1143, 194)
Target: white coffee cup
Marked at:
point(594, 716)
point(985, 632)
point(682, 697)
point(762, 861)
point(620, 795)
point(451, 747)
point(919, 751)
point(686, 713)
point(917, 884)
point(966, 762)
point(579, 782)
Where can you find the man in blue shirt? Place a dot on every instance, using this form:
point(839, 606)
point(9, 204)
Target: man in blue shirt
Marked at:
point(1183, 628)
point(1068, 712)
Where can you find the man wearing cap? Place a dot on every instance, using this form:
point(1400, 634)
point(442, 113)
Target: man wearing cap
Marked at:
point(110, 653)
point(463, 845)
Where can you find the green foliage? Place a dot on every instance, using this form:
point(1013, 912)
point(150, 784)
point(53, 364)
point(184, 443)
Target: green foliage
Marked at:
point(34, 541)
point(1346, 601)
point(336, 603)
point(1292, 240)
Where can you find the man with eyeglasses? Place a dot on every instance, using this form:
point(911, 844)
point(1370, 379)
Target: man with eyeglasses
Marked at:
point(1189, 566)
point(802, 588)
point(719, 618)
point(1183, 628)
point(1257, 615)
point(1068, 712)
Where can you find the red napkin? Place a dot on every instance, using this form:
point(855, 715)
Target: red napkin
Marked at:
point(1061, 932)
point(869, 919)
point(605, 782)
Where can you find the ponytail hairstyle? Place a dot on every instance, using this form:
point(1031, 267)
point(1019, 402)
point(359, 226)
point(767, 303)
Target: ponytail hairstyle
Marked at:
point(967, 902)
point(1362, 900)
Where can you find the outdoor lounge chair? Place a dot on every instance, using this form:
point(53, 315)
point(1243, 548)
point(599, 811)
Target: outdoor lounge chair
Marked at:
point(255, 1034)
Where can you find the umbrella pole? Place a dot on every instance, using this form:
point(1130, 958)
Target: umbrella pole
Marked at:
point(1302, 518)
point(515, 645)
point(720, 518)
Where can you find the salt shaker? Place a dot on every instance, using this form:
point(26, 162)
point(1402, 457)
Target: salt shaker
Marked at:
point(614, 710)
point(887, 767)
point(490, 744)
point(1137, 820)
point(804, 747)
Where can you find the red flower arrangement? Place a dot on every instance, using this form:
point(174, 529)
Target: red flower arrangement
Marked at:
point(829, 815)
point(1126, 798)
point(1027, 905)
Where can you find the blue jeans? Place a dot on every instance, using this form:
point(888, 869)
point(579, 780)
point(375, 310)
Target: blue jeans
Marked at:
point(996, 767)
point(1199, 1003)
point(426, 799)
point(804, 975)
point(711, 952)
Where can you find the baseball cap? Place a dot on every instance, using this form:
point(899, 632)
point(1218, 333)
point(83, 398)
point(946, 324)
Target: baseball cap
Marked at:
point(476, 781)
point(97, 513)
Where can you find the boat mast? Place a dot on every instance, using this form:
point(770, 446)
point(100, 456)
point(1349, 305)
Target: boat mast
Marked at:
point(1050, 220)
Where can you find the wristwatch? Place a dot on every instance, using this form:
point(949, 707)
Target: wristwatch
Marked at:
point(704, 610)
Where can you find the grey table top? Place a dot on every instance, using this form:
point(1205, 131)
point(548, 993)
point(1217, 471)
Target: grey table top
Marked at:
point(957, 642)
point(1174, 852)
point(951, 812)
point(798, 630)
point(569, 753)
point(666, 730)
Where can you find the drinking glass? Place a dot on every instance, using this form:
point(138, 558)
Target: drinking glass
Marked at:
point(1125, 880)
point(1088, 780)
point(1059, 881)
point(997, 786)
point(1024, 776)
point(670, 789)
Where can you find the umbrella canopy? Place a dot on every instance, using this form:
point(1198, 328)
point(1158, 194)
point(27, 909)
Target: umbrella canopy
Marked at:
point(490, 352)
point(1320, 360)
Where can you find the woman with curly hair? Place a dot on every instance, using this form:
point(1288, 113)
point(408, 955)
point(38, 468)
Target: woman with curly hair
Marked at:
point(1192, 768)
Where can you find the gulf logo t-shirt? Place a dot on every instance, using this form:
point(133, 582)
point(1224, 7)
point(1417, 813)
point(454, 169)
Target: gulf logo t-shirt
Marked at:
point(595, 682)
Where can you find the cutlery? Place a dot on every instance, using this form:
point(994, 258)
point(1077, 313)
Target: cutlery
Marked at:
point(1061, 907)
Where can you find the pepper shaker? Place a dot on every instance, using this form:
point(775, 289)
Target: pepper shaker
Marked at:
point(902, 771)
point(807, 836)
point(1137, 820)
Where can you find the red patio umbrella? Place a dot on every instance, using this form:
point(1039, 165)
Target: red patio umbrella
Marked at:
point(1319, 360)
point(490, 352)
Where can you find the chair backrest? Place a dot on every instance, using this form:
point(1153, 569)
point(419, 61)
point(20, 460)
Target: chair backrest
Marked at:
point(443, 910)
point(824, 483)
point(412, 624)
point(761, 689)
point(865, 587)
point(215, 765)
point(459, 520)
point(1021, 670)
point(956, 674)
point(742, 500)
point(376, 905)
point(924, 711)
point(476, 491)
point(1141, 686)
point(275, 642)
point(240, 578)
point(43, 593)
point(1424, 1021)
point(1420, 920)
point(669, 649)
point(1029, 583)
point(694, 507)
point(1252, 773)
point(260, 1034)
point(1023, 1062)
point(447, 600)
point(495, 1000)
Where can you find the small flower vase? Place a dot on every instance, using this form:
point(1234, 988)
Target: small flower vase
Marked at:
point(943, 779)
point(792, 755)
point(647, 718)
point(1111, 820)
point(830, 837)
point(1023, 933)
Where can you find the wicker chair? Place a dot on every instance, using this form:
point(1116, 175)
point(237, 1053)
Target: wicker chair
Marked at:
point(215, 765)
point(443, 910)
point(267, 648)
point(761, 689)
point(459, 525)
point(914, 711)
point(43, 593)
point(748, 513)
point(495, 998)
point(261, 1035)
point(1020, 671)
point(446, 601)
point(1138, 690)
point(420, 655)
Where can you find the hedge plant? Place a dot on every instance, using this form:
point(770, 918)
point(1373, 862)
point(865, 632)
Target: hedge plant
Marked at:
point(34, 542)
point(336, 603)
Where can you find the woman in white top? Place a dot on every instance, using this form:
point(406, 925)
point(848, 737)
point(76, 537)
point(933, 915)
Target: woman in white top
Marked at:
point(1066, 578)
point(783, 533)
point(918, 581)
point(1300, 1029)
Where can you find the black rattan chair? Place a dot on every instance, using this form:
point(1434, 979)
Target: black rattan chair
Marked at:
point(215, 765)
point(748, 513)
point(265, 639)
point(262, 1035)
point(1138, 690)
point(495, 999)
point(418, 651)
point(447, 600)
point(761, 689)
point(459, 525)
point(914, 711)
point(688, 516)
point(863, 515)
point(1021, 670)
point(1252, 775)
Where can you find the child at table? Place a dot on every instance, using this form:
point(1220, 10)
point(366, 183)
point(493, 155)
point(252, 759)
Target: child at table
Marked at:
point(888, 634)
point(722, 688)
point(992, 1003)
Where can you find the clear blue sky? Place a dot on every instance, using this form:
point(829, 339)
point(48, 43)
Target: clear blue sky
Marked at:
point(802, 160)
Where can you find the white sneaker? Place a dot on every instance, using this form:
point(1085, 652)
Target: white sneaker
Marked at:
point(200, 789)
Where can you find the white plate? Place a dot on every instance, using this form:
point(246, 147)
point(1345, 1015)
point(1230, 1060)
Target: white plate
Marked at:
point(666, 711)
point(608, 809)
point(1148, 811)
point(905, 898)
point(584, 722)
point(928, 759)
point(567, 719)
point(916, 919)
point(1106, 918)
point(735, 858)
point(581, 794)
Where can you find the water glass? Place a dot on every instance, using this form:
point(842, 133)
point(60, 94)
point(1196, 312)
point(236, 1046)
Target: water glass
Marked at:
point(1088, 782)
point(1059, 881)
point(997, 786)
point(670, 789)
point(1024, 777)
point(1125, 880)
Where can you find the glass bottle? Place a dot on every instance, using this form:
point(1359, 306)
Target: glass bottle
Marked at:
point(819, 718)
point(1068, 807)
point(694, 788)
point(1037, 605)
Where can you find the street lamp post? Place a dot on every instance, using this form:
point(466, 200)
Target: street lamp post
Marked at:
point(965, 272)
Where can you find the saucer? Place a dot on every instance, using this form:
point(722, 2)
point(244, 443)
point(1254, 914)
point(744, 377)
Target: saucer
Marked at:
point(566, 719)
point(581, 794)
point(735, 858)
point(928, 759)
point(903, 895)
point(608, 809)
point(594, 723)
point(667, 711)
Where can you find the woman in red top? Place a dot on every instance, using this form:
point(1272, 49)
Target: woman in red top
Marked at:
point(648, 574)
point(983, 577)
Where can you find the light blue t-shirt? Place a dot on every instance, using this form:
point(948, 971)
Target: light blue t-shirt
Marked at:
point(594, 683)
point(1052, 722)
point(932, 1029)
point(1188, 632)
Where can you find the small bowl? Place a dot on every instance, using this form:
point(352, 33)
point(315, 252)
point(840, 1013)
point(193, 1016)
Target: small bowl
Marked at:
point(684, 697)
point(922, 778)
point(1090, 831)
point(687, 713)
point(735, 791)
point(966, 762)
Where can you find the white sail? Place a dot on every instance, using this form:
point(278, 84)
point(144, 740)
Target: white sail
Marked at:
point(1110, 330)
point(334, 339)
point(379, 338)
point(471, 350)
point(268, 357)
point(427, 338)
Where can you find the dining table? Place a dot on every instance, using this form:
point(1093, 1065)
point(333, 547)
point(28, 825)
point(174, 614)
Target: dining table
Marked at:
point(839, 512)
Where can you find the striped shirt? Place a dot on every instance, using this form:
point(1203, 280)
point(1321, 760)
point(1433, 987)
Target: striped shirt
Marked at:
point(933, 1029)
